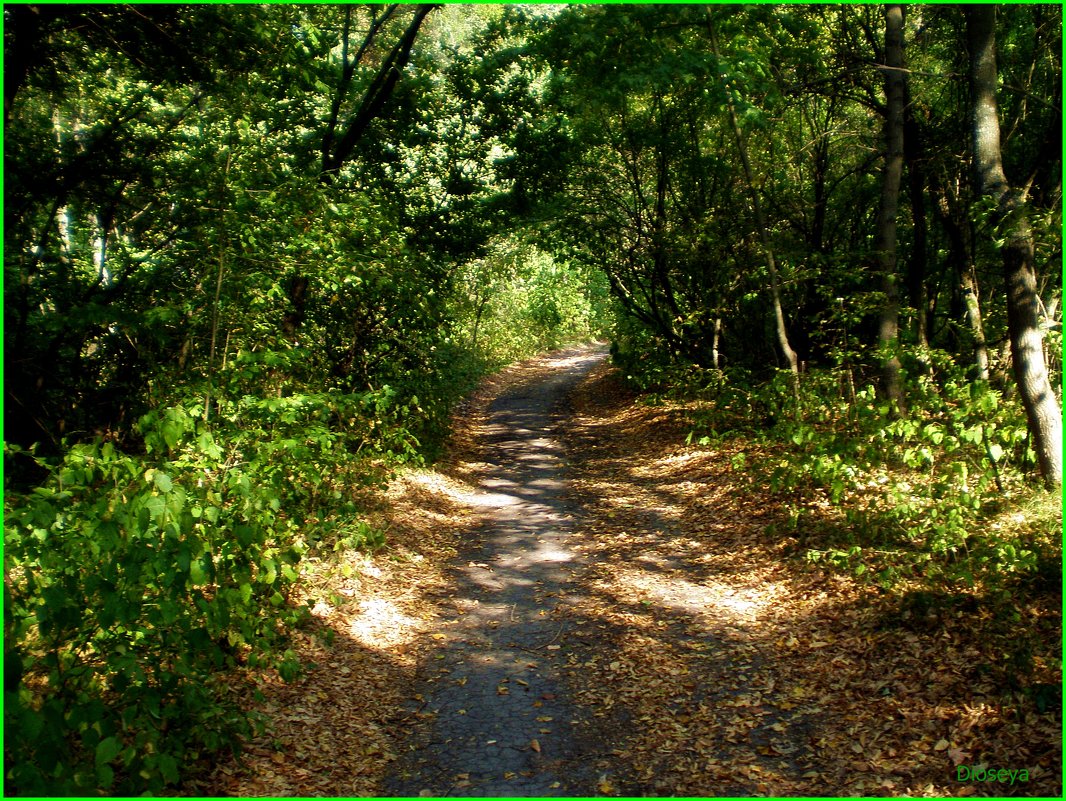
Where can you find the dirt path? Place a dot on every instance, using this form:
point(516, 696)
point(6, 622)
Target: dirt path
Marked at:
point(579, 603)
point(500, 711)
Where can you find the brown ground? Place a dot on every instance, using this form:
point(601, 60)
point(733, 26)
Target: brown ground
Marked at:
point(707, 656)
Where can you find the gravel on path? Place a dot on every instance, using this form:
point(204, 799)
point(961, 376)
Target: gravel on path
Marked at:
point(497, 718)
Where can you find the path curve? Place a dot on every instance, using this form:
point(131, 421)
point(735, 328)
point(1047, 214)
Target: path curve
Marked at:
point(497, 718)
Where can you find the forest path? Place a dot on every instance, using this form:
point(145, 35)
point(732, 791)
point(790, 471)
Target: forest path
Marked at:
point(499, 717)
point(579, 602)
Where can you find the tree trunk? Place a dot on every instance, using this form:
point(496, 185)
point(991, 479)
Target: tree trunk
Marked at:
point(917, 272)
point(972, 301)
point(219, 273)
point(1023, 319)
point(961, 250)
point(338, 150)
point(895, 90)
point(715, 356)
point(760, 224)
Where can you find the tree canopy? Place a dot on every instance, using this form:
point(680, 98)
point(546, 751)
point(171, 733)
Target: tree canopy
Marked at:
point(254, 254)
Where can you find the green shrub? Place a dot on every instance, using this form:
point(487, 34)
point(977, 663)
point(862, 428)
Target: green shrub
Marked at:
point(913, 495)
point(135, 583)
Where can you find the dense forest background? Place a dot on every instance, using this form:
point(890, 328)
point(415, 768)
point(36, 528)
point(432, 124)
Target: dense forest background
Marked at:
point(254, 254)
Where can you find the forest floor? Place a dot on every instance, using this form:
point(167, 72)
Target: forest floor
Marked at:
point(613, 618)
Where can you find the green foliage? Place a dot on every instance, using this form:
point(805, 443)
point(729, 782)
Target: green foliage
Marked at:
point(129, 590)
point(937, 509)
point(135, 582)
point(209, 341)
point(527, 302)
point(909, 499)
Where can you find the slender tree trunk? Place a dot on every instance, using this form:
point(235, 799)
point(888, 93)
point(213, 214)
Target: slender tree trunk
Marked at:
point(914, 156)
point(1023, 319)
point(961, 249)
point(971, 299)
point(715, 360)
point(760, 224)
point(337, 150)
point(895, 89)
point(219, 272)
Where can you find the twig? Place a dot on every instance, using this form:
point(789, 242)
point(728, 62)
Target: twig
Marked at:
point(545, 645)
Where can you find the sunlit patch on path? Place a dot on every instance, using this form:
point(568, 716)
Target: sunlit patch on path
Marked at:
point(496, 719)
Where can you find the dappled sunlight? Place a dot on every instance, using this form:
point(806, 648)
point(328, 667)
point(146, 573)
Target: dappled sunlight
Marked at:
point(460, 492)
point(492, 683)
point(551, 553)
point(379, 623)
point(714, 601)
point(569, 359)
point(699, 660)
point(733, 669)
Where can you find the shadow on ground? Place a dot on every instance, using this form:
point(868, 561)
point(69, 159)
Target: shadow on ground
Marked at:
point(497, 717)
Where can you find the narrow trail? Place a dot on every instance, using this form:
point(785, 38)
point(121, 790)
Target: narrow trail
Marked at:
point(579, 602)
point(499, 716)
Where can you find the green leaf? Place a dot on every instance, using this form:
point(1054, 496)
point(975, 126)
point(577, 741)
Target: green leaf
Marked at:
point(168, 768)
point(105, 776)
point(270, 571)
point(206, 443)
point(107, 750)
point(156, 505)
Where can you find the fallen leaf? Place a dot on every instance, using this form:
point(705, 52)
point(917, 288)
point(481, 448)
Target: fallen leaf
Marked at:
point(957, 756)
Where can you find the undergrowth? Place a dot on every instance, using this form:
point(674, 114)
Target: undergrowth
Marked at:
point(140, 575)
point(940, 509)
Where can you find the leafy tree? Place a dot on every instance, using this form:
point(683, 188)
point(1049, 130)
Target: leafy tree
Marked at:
point(1019, 275)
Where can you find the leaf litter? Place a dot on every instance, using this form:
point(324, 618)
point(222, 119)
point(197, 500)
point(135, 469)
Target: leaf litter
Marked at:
point(724, 666)
point(701, 653)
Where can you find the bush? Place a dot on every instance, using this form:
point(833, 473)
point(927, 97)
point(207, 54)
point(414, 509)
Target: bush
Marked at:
point(134, 583)
point(913, 496)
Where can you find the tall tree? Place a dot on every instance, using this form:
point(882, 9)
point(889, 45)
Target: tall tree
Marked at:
point(1019, 274)
point(760, 219)
point(895, 91)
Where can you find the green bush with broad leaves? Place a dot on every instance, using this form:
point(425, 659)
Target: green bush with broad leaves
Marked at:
point(133, 583)
point(913, 494)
